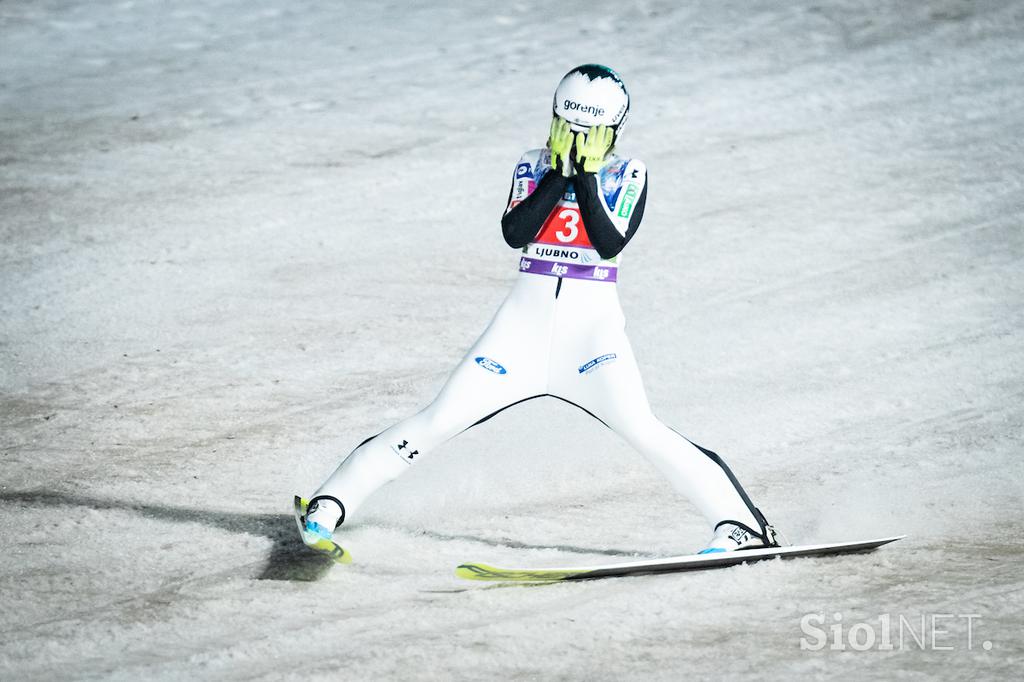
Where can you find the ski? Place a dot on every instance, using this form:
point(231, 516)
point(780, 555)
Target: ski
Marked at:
point(694, 562)
point(314, 541)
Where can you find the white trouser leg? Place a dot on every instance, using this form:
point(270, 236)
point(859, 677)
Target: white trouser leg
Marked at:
point(613, 391)
point(389, 454)
point(512, 367)
point(705, 481)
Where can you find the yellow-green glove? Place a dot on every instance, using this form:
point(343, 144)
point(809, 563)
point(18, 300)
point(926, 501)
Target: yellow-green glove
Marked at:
point(592, 146)
point(560, 143)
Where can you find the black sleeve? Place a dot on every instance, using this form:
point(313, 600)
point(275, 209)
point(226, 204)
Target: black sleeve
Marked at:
point(603, 235)
point(521, 224)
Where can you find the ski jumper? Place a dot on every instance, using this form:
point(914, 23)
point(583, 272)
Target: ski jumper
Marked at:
point(559, 333)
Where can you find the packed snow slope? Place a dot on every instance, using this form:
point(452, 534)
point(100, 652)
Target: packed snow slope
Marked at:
point(238, 237)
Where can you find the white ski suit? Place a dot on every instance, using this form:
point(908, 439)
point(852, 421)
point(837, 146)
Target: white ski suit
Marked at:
point(559, 333)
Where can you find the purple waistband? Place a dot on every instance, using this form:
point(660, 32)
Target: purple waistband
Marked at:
point(598, 273)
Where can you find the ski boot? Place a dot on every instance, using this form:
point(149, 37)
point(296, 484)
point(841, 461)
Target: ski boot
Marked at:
point(730, 537)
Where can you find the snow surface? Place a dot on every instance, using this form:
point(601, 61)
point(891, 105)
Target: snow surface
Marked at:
point(240, 237)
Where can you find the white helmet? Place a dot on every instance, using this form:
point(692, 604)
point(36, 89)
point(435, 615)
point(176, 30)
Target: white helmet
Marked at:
point(592, 95)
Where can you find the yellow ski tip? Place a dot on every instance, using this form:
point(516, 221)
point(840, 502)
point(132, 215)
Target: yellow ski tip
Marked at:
point(328, 547)
point(476, 572)
point(345, 558)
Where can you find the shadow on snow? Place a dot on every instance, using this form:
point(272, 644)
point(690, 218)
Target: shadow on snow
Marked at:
point(289, 559)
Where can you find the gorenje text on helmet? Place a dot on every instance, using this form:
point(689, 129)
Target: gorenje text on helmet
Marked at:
point(569, 105)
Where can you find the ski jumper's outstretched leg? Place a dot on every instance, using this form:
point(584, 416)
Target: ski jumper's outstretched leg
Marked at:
point(612, 390)
point(506, 365)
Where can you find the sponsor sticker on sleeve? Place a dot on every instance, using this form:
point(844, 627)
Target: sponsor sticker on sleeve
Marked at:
point(628, 199)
